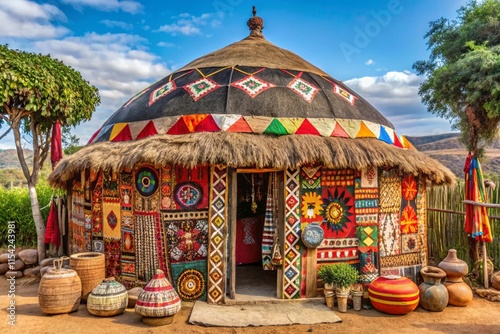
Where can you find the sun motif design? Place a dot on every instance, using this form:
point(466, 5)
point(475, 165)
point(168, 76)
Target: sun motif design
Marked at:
point(409, 220)
point(338, 206)
point(311, 205)
point(409, 187)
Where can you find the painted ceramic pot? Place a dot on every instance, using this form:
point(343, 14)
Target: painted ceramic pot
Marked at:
point(459, 293)
point(393, 294)
point(433, 294)
point(108, 298)
point(312, 236)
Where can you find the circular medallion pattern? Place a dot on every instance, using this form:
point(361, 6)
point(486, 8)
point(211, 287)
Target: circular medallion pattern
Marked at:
point(188, 194)
point(146, 181)
point(191, 284)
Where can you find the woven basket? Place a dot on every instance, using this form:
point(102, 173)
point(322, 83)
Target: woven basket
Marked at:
point(59, 290)
point(158, 300)
point(91, 267)
point(108, 298)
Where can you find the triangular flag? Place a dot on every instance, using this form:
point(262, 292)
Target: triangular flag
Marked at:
point(94, 136)
point(351, 126)
point(207, 125)
point(306, 128)
point(163, 124)
point(324, 126)
point(149, 130)
point(406, 143)
point(179, 128)
point(397, 142)
point(339, 131)
point(276, 128)
point(137, 127)
point(291, 124)
point(193, 120)
point(240, 126)
point(384, 136)
point(374, 128)
point(258, 124)
point(123, 135)
point(364, 131)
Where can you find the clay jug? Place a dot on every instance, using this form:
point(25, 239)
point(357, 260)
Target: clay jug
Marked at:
point(459, 293)
point(433, 294)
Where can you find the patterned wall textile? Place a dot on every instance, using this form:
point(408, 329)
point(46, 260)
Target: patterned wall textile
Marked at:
point(147, 238)
point(390, 192)
point(187, 240)
point(409, 220)
point(217, 231)
point(369, 177)
point(421, 202)
point(78, 232)
point(292, 287)
point(146, 195)
point(270, 223)
point(187, 187)
point(128, 267)
point(389, 234)
point(412, 272)
point(111, 219)
point(338, 249)
point(190, 280)
point(403, 260)
point(98, 245)
point(311, 204)
point(167, 187)
point(112, 253)
point(97, 218)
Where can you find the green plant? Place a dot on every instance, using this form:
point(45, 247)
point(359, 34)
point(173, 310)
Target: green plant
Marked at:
point(325, 273)
point(344, 275)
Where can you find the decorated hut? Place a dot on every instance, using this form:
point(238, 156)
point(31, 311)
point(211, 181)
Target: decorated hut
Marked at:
point(213, 173)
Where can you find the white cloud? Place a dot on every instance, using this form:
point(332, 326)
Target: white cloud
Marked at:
point(165, 44)
point(395, 95)
point(187, 24)
point(369, 62)
point(117, 24)
point(132, 7)
point(28, 19)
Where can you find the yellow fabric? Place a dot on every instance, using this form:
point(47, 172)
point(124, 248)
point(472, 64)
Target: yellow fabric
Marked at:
point(107, 208)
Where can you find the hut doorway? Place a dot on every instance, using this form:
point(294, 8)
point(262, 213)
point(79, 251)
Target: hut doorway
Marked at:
point(257, 228)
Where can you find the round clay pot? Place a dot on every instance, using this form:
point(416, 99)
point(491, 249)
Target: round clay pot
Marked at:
point(393, 294)
point(433, 294)
point(454, 268)
point(459, 293)
point(495, 280)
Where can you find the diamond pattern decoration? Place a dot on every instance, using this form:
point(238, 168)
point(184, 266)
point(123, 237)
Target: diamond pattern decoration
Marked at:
point(162, 91)
point(217, 226)
point(292, 260)
point(343, 93)
point(303, 88)
point(253, 86)
point(200, 88)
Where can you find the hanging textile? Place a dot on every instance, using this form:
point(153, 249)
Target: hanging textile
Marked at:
point(269, 239)
point(56, 151)
point(52, 233)
point(477, 223)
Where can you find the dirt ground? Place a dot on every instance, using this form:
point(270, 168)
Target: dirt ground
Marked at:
point(481, 316)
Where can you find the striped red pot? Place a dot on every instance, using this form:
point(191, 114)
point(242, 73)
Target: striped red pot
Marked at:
point(393, 294)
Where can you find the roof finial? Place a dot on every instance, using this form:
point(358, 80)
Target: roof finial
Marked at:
point(256, 24)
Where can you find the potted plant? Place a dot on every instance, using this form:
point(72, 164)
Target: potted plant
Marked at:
point(344, 276)
point(325, 273)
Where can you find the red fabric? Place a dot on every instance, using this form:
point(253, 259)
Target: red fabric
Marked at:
point(148, 130)
point(56, 151)
point(52, 233)
point(124, 135)
point(306, 128)
point(249, 239)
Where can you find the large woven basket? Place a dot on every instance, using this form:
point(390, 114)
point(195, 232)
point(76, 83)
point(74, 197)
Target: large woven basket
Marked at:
point(159, 299)
point(91, 267)
point(108, 298)
point(59, 290)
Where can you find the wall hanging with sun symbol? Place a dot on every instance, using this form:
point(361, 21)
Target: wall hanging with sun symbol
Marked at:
point(338, 206)
point(146, 181)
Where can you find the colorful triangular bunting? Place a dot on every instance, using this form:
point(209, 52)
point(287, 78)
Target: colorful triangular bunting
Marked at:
point(148, 130)
point(306, 128)
point(207, 125)
point(276, 128)
point(123, 134)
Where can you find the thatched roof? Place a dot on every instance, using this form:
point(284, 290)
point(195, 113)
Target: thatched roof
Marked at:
point(249, 150)
point(250, 104)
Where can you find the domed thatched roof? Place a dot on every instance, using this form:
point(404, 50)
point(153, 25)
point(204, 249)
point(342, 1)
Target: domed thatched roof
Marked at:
point(249, 104)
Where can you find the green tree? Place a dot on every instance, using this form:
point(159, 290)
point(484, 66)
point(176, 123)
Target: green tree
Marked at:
point(462, 81)
point(70, 142)
point(35, 91)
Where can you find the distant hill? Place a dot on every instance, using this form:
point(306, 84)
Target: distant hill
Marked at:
point(447, 149)
point(8, 158)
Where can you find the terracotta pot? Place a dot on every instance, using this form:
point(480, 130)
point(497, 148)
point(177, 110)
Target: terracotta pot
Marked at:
point(459, 293)
point(433, 294)
point(454, 268)
point(495, 280)
point(393, 294)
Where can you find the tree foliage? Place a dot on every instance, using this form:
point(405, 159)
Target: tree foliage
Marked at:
point(463, 71)
point(36, 91)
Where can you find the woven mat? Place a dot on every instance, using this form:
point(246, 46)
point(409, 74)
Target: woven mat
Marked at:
point(281, 314)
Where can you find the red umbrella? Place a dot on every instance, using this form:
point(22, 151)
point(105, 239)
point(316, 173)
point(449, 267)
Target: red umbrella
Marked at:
point(56, 151)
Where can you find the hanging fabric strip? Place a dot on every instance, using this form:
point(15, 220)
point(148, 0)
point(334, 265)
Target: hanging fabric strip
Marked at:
point(269, 226)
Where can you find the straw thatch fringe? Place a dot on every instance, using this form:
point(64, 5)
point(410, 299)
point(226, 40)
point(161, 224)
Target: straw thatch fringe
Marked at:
point(249, 150)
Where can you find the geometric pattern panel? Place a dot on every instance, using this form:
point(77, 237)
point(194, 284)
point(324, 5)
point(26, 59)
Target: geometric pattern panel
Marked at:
point(389, 234)
point(218, 235)
point(293, 248)
point(390, 192)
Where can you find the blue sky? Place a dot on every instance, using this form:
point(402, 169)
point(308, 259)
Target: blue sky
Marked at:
point(122, 46)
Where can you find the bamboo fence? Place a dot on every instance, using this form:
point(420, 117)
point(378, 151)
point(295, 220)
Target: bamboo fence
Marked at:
point(445, 219)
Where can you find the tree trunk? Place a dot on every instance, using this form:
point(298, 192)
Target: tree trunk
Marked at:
point(473, 250)
point(39, 223)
